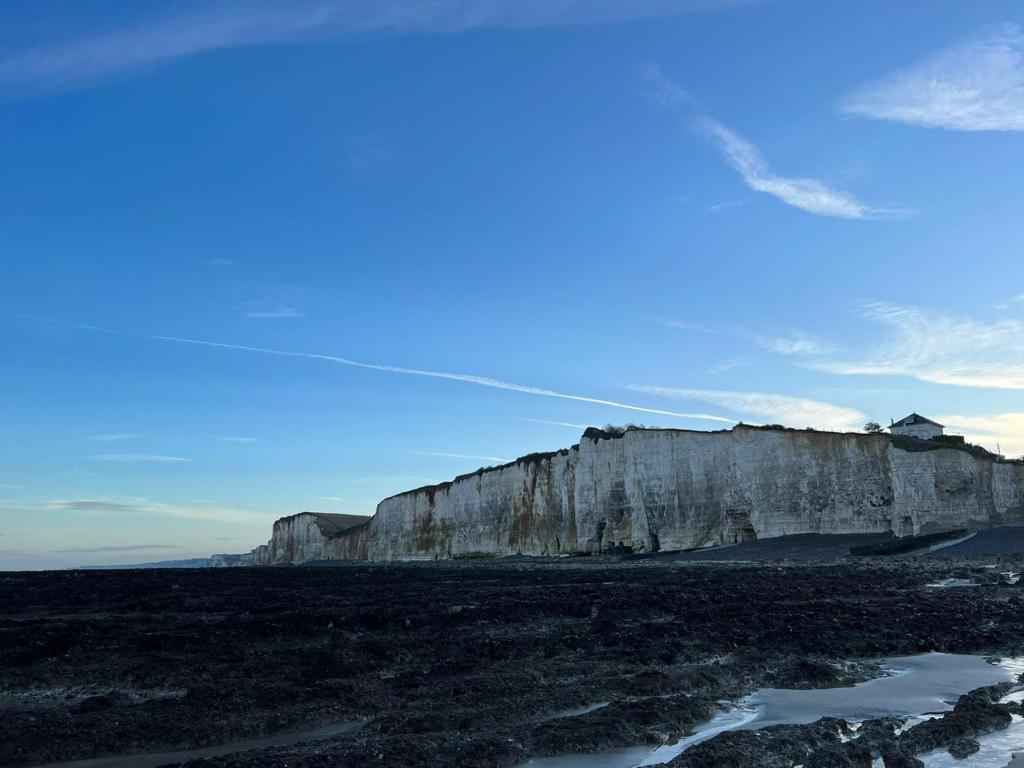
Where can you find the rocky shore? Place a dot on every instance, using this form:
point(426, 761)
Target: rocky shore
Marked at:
point(468, 663)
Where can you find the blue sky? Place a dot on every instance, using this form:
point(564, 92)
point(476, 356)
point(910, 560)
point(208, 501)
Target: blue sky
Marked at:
point(474, 228)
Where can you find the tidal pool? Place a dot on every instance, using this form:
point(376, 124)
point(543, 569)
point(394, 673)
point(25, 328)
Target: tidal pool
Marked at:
point(915, 686)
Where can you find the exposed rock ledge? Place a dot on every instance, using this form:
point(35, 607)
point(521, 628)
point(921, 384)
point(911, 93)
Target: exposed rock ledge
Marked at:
point(651, 489)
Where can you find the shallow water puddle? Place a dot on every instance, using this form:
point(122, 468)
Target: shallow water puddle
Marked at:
point(930, 682)
point(154, 759)
point(633, 757)
point(996, 750)
point(997, 747)
point(917, 685)
point(951, 583)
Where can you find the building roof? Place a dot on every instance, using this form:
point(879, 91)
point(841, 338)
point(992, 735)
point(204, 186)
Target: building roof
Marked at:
point(914, 418)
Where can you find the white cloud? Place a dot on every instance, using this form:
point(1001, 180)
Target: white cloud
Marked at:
point(719, 207)
point(139, 458)
point(791, 411)
point(1002, 430)
point(495, 459)
point(388, 479)
point(235, 439)
point(272, 310)
point(9, 487)
point(220, 262)
point(810, 195)
point(728, 365)
point(115, 548)
point(157, 509)
point(975, 86)
point(941, 348)
point(807, 194)
point(791, 342)
point(552, 423)
point(481, 381)
point(166, 37)
point(331, 498)
point(111, 437)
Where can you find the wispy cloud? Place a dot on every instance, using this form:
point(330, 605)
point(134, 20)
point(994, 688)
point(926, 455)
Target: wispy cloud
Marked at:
point(10, 487)
point(496, 459)
point(807, 194)
point(975, 86)
point(481, 381)
point(220, 262)
point(105, 53)
point(389, 479)
point(269, 310)
point(78, 472)
point(102, 54)
point(728, 365)
point(111, 437)
point(93, 505)
point(724, 206)
point(114, 548)
point(783, 409)
point(552, 423)
point(791, 342)
point(940, 348)
point(235, 439)
point(156, 509)
point(331, 498)
point(139, 458)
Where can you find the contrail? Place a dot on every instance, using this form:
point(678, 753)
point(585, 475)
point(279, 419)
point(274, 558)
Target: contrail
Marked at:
point(482, 381)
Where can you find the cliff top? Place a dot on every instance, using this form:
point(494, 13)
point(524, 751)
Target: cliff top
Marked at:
point(596, 434)
point(331, 523)
point(530, 458)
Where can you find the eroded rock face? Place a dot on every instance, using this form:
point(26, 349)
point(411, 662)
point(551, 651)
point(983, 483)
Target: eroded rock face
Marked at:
point(673, 489)
point(313, 536)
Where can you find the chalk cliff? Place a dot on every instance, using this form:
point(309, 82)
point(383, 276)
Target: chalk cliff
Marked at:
point(662, 489)
point(313, 536)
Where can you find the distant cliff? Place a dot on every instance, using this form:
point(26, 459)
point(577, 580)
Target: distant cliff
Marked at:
point(313, 536)
point(665, 489)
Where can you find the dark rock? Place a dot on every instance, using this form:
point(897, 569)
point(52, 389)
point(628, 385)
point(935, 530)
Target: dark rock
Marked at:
point(898, 759)
point(457, 663)
point(829, 757)
point(964, 746)
point(975, 713)
point(103, 702)
point(777, 745)
point(879, 734)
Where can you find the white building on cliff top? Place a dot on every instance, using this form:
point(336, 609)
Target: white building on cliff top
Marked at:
point(916, 425)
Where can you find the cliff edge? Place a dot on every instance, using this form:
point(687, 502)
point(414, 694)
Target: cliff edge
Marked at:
point(645, 490)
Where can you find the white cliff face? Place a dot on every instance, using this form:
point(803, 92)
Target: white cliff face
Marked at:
point(673, 489)
point(523, 507)
point(312, 536)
